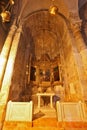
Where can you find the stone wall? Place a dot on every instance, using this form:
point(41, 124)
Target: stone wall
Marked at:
point(71, 62)
point(19, 74)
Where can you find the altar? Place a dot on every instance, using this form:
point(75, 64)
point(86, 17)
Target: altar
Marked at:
point(45, 95)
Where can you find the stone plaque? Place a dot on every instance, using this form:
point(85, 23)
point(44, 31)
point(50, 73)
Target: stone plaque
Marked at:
point(19, 111)
point(70, 111)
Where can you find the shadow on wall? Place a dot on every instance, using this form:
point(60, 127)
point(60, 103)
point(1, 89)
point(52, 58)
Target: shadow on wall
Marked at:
point(20, 93)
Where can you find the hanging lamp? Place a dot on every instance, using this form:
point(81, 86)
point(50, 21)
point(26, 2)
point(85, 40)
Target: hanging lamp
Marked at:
point(53, 8)
point(6, 13)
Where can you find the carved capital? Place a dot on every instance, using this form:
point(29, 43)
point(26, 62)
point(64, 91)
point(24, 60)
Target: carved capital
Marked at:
point(19, 30)
point(75, 28)
point(73, 15)
point(12, 30)
point(75, 20)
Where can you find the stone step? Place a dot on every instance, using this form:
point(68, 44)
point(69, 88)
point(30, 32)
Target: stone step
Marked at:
point(44, 124)
point(33, 128)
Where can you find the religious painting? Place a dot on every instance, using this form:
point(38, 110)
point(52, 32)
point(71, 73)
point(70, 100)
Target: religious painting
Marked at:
point(44, 75)
point(47, 75)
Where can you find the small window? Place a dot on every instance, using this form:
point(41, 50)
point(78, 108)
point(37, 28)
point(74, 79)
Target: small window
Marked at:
point(56, 73)
point(33, 74)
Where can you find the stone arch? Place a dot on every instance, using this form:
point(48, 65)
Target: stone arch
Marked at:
point(26, 9)
point(83, 16)
point(68, 60)
point(54, 24)
point(63, 25)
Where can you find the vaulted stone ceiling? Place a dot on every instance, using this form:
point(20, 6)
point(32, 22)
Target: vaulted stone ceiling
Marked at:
point(46, 31)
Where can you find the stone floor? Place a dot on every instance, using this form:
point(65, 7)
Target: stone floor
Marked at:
point(45, 118)
point(44, 112)
point(48, 112)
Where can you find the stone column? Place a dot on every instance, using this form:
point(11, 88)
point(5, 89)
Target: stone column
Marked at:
point(80, 45)
point(8, 76)
point(5, 51)
point(84, 30)
point(10, 66)
point(80, 55)
point(8, 72)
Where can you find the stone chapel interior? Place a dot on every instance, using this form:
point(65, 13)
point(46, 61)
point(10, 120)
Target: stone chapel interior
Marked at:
point(40, 49)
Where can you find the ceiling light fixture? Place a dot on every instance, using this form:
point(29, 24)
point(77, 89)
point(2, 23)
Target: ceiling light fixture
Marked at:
point(5, 16)
point(53, 8)
point(6, 12)
point(11, 2)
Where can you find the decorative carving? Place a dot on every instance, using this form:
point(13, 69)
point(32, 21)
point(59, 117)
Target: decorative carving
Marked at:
point(74, 19)
point(77, 34)
point(73, 15)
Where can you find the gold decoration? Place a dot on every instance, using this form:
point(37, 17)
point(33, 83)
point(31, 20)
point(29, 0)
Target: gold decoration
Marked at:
point(5, 16)
point(53, 10)
point(11, 2)
point(6, 12)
